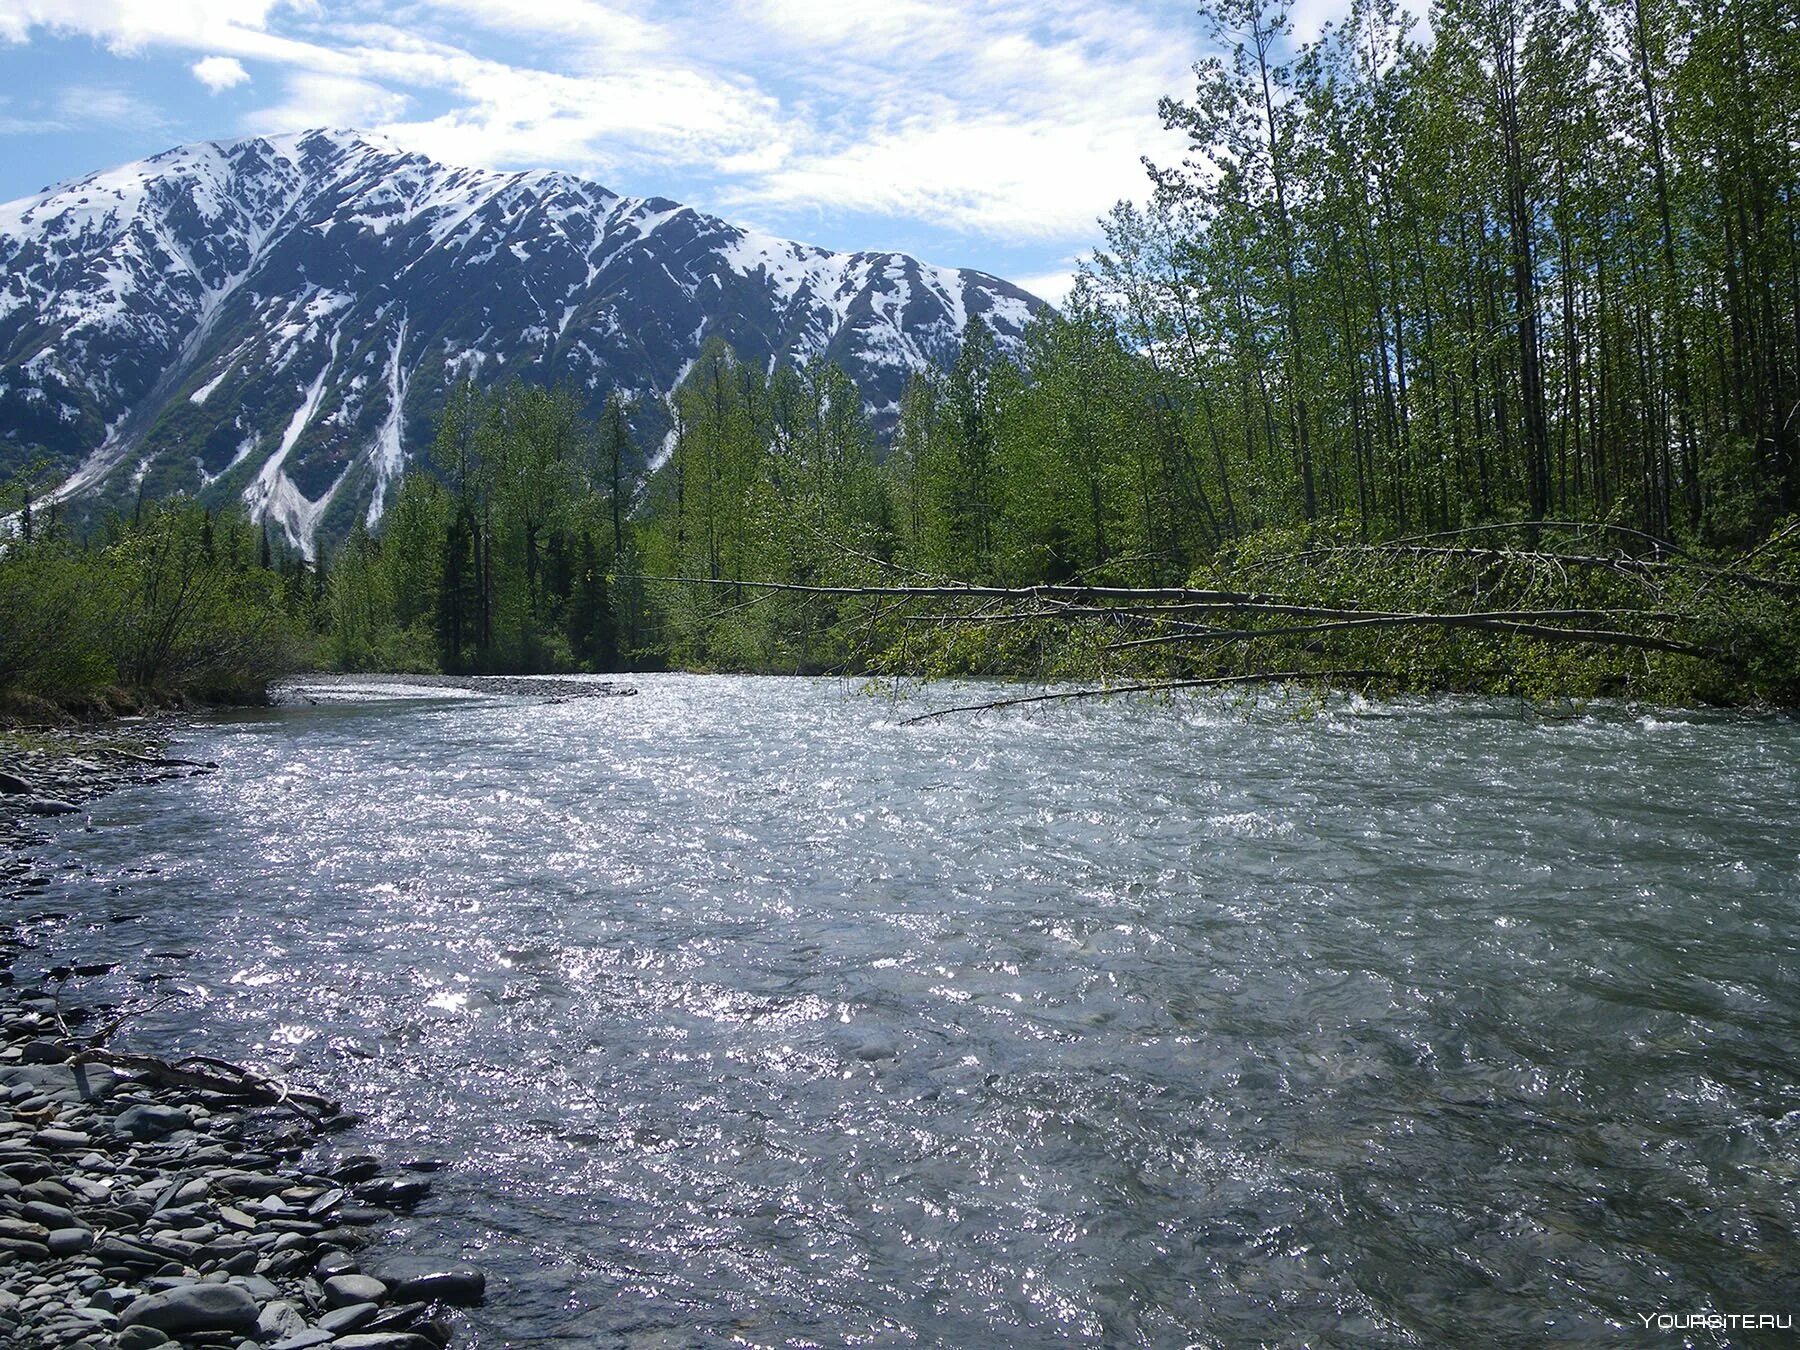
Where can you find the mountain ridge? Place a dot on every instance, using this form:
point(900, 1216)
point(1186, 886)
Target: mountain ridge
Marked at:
point(275, 319)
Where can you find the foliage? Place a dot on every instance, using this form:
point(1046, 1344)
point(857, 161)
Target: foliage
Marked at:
point(174, 604)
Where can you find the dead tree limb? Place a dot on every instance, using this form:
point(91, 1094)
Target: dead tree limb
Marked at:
point(1498, 622)
point(1152, 687)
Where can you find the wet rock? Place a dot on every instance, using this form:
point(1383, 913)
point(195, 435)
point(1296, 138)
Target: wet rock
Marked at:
point(194, 1307)
point(357, 1167)
point(384, 1340)
point(411, 1278)
point(49, 806)
point(141, 1338)
point(334, 1263)
point(394, 1194)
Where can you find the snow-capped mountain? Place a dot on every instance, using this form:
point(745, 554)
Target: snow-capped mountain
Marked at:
point(277, 319)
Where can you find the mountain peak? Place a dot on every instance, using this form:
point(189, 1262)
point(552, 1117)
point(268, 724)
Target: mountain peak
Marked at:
point(275, 319)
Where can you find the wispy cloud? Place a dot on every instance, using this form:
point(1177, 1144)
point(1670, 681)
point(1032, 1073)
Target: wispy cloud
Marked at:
point(315, 100)
point(1009, 119)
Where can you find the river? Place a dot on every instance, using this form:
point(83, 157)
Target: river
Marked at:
point(747, 1015)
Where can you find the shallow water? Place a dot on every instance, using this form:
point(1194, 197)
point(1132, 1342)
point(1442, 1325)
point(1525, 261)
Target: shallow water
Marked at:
point(750, 1016)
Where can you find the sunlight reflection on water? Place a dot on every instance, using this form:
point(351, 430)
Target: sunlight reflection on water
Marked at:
point(748, 1014)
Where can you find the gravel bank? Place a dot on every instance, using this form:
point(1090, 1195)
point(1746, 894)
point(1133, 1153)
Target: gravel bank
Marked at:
point(145, 1204)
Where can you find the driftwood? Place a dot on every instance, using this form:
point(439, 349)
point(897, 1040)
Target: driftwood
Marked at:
point(206, 1074)
point(203, 1073)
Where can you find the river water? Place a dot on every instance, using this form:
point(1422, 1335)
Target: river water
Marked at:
point(749, 1016)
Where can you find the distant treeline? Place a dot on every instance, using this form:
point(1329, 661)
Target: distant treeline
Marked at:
point(1502, 322)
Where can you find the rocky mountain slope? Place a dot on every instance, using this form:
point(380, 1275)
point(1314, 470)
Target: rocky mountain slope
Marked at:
point(276, 319)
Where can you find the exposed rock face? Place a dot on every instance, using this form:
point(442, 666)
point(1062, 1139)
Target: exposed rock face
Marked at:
point(276, 319)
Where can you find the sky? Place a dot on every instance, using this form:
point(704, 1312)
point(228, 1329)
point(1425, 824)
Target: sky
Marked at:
point(976, 133)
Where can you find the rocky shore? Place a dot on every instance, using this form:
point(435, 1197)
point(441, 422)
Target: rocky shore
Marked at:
point(146, 1203)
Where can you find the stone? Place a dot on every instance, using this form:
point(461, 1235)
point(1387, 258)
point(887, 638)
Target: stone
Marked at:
point(304, 1341)
point(61, 1082)
point(357, 1167)
point(334, 1263)
point(278, 1321)
point(348, 1318)
point(394, 1194)
point(151, 1121)
point(195, 1307)
point(61, 1139)
point(383, 1340)
point(69, 1241)
point(49, 806)
point(341, 1290)
point(410, 1278)
point(141, 1338)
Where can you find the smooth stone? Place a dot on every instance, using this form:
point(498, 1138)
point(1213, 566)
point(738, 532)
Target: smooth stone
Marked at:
point(358, 1167)
point(394, 1194)
point(51, 1216)
point(197, 1307)
point(342, 1290)
point(348, 1318)
point(62, 1139)
point(69, 1241)
point(151, 1121)
point(384, 1340)
point(141, 1338)
point(414, 1278)
point(304, 1341)
point(334, 1263)
point(49, 806)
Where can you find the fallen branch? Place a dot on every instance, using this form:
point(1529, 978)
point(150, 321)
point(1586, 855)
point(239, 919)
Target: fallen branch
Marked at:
point(206, 1074)
point(1497, 622)
point(1157, 686)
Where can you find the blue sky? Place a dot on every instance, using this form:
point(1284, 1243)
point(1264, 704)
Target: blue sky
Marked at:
point(980, 134)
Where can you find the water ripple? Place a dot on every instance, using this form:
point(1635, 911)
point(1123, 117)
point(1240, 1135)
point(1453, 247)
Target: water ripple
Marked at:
point(753, 1017)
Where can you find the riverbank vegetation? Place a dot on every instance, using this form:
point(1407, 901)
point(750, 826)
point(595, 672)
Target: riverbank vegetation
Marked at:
point(174, 605)
point(1465, 360)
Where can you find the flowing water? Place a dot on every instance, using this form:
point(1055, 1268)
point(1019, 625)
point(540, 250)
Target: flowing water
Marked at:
point(750, 1016)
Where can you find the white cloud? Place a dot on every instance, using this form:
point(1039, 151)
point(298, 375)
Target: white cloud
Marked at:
point(1021, 119)
point(219, 73)
point(1052, 286)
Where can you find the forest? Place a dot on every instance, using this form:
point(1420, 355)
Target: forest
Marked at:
point(1456, 358)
